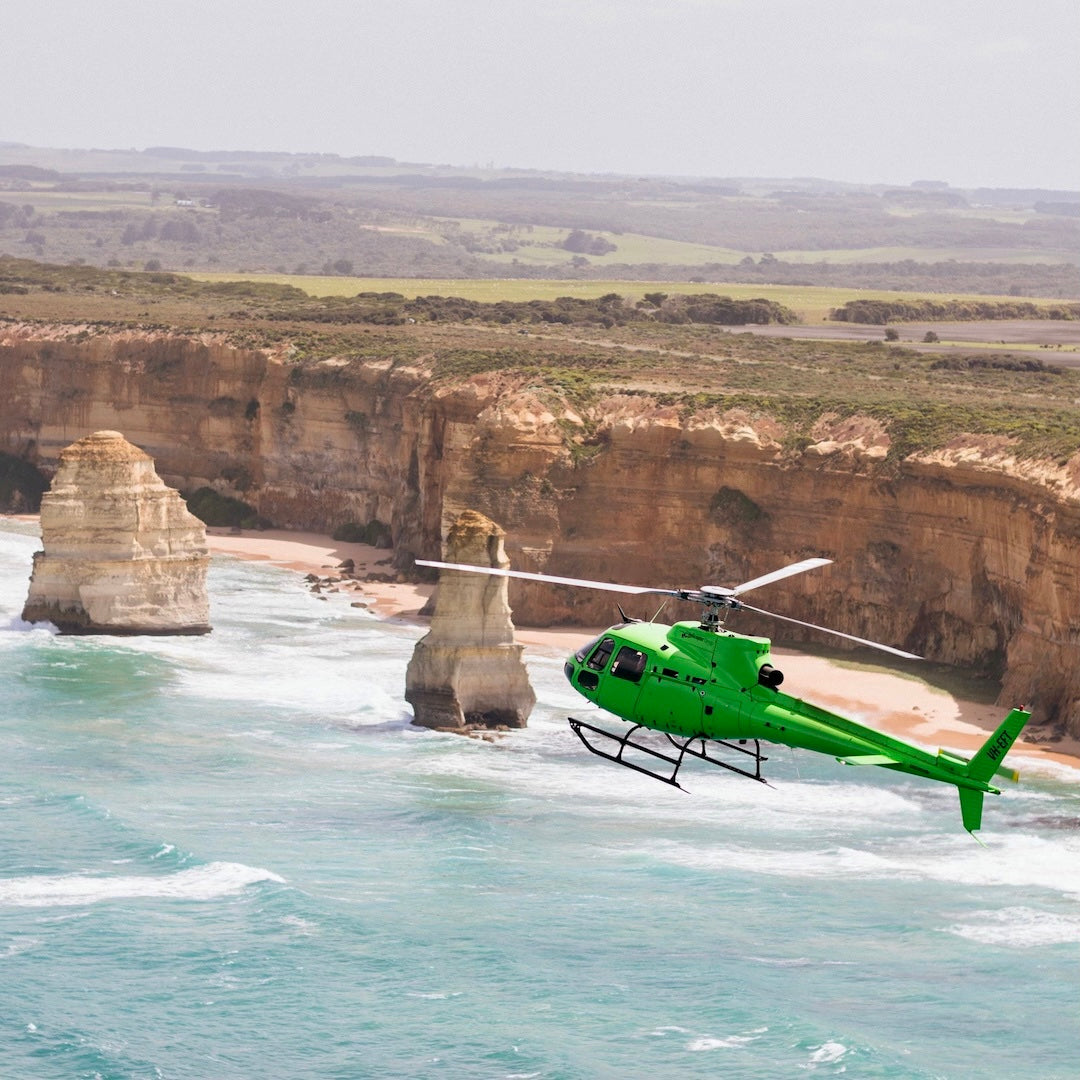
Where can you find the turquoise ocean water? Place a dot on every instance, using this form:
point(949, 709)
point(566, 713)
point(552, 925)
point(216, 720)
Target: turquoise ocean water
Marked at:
point(231, 857)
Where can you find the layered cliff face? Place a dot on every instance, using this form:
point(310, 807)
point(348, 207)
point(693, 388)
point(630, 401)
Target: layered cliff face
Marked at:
point(122, 554)
point(467, 671)
point(968, 556)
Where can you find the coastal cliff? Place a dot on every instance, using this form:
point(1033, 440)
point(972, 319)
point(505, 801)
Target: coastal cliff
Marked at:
point(968, 553)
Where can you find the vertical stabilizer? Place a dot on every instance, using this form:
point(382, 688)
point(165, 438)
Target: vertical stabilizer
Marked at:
point(989, 758)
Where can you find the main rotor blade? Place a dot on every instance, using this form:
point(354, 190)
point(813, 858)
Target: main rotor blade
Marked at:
point(777, 575)
point(835, 633)
point(495, 571)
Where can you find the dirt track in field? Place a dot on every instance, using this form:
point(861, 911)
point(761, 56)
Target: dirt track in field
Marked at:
point(1055, 341)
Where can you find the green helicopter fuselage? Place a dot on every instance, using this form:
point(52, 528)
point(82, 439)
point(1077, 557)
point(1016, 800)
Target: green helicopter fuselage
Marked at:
point(695, 681)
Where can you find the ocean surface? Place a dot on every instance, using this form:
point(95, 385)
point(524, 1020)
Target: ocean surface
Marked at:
point(232, 857)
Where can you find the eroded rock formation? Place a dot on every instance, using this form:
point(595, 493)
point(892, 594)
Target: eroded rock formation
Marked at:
point(467, 671)
point(122, 554)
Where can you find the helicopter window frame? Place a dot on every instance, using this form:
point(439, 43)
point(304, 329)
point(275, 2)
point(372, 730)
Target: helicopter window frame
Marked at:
point(630, 664)
point(601, 654)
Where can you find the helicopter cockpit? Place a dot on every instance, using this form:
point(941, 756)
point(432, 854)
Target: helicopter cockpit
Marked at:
point(595, 657)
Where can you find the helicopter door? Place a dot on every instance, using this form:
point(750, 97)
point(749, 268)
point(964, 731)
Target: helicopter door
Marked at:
point(623, 681)
point(670, 702)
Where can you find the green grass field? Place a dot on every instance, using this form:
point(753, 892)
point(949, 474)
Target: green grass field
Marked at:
point(812, 303)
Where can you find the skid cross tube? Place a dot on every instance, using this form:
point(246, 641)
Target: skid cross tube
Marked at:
point(579, 727)
point(703, 755)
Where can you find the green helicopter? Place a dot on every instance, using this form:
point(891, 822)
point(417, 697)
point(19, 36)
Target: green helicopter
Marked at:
point(711, 691)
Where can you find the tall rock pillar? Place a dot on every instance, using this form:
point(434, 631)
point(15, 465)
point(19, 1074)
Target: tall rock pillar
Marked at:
point(468, 672)
point(122, 553)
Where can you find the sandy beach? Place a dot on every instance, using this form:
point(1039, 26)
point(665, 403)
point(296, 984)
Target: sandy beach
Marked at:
point(312, 553)
point(906, 706)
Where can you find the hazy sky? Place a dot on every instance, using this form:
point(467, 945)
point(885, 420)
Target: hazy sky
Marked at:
point(976, 93)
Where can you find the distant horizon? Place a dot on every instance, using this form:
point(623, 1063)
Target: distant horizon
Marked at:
point(12, 144)
point(982, 94)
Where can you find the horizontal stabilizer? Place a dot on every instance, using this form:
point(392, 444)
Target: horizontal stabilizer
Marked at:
point(868, 759)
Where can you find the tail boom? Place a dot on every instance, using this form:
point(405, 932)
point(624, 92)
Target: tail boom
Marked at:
point(971, 777)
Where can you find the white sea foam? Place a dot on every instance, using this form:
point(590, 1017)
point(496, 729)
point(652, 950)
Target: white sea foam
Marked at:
point(199, 883)
point(727, 1042)
point(1018, 928)
point(17, 625)
point(825, 1054)
point(832, 862)
point(19, 945)
point(1018, 859)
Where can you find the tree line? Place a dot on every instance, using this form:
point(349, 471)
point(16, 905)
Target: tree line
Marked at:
point(881, 312)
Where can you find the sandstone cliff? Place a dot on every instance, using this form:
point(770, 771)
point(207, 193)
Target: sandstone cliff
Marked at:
point(122, 554)
point(467, 671)
point(969, 556)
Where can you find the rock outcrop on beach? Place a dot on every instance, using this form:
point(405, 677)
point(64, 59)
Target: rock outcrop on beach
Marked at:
point(969, 555)
point(467, 672)
point(122, 553)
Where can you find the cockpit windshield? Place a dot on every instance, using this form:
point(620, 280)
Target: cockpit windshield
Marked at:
point(602, 654)
point(584, 651)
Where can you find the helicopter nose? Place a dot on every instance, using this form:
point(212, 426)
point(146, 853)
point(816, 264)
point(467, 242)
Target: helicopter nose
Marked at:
point(568, 671)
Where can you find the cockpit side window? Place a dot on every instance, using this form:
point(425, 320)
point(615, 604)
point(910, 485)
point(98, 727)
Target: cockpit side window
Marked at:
point(629, 664)
point(602, 654)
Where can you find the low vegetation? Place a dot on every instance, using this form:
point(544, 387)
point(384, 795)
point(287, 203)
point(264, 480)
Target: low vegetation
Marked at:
point(878, 312)
point(611, 309)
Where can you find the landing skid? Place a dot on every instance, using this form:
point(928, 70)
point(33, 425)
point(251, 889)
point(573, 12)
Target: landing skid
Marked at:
point(625, 742)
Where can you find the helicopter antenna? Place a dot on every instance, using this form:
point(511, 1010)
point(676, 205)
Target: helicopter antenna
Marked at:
point(658, 610)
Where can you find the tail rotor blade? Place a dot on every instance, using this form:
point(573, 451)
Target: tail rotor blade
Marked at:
point(835, 633)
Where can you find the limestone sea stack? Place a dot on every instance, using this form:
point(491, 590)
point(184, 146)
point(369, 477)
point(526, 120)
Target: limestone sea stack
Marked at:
point(122, 552)
point(468, 672)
